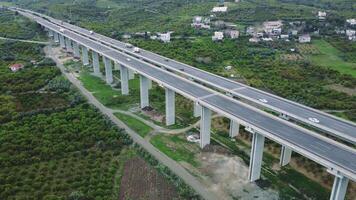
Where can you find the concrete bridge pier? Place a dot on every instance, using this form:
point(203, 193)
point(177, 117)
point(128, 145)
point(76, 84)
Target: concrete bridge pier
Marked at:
point(117, 66)
point(205, 123)
point(339, 189)
point(96, 65)
point(68, 45)
point(50, 33)
point(108, 70)
point(131, 74)
point(76, 50)
point(257, 145)
point(170, 107)
point(234, 128)
point(124, 77)
point(62, 41)
point(197, 109)
point(144, 99)
point(149, 84)
point(56, 37)
point(85, 57)
point(286, 154)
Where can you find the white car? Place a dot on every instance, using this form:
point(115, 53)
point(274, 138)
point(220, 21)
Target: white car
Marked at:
point(128, 45)
point(91, 32)
point(263, 100)
point(193, 138)
point(313, 119)
point(61, 30)
point(136, 50)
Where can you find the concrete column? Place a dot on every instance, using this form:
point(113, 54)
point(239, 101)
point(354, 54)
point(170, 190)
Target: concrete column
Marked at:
point(131, 74)
point(108, 70)
point(197, 109)
point(124, 77)
point(62, 41)
point(96, 65)
point(339, 189)
point(144, 91)
point(76, 50)
point(149, 84)
point(286, 154)
point(117, 66)
point(205, 123)
point(85, 57)
point(69, 45)
point(170, 107)
point(258, 141)
point(56, 37)
point(50, 33)
point(234, 129)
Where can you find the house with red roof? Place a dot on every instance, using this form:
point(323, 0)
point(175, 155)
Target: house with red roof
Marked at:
point(16, 67)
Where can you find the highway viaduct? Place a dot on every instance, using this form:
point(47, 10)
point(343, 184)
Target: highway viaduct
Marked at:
point(339, 159)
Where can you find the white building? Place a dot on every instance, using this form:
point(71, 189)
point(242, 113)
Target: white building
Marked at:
point(351, 34)
point(219, 9)
point(197, 19)
point(294, 32)
point(267, 39)
point(218, 36)
point(351, 21)
point(273, 27)
point(254, 40)
point(284, 36)
point(165, 37)
point(321, 15)
point(304, 38)
point(233, 34)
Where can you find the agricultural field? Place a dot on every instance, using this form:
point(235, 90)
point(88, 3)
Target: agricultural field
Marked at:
point(138, 126)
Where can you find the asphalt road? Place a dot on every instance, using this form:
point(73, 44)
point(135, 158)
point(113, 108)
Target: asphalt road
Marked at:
point(328, 153)
point(335, 126)
point(171, 164)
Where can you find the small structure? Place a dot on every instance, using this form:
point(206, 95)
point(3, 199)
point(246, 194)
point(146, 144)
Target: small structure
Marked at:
point(304, 38)
point(218, 36)
point(165, 37)
point(16, 67)
point(126, 36)
point(351, 34)
point(233, 34)
point(219, 9)
point(352, 22)
point(197, 19)
point(254, 39)
point(321, 15)
point(294, 32)
point(200, 22)
point(273, 27)
point(284, 36)
point(228, 67)
point(267, 39)
point(250, 30)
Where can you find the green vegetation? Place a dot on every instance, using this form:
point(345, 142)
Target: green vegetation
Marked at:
point(176, 147)
point(135, 124)
point(331, 57)
point(107, 95)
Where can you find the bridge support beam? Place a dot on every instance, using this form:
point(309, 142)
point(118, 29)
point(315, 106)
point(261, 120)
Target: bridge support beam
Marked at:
point(197, 109)
point(76, 50)
point(62, 41)
point(96, 65)
point(56, 37)
point(258, 141)
point(339, 189)
point(170, 107)
point(108, 70)
point(234, 129)
point(69, 45)
point(144, 92)
point(124, 77)
point(205, 123)
point(286, 154)
point(85, 57)
point(131, 74)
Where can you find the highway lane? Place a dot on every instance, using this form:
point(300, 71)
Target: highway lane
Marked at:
point(328, 153)
point(330, 124)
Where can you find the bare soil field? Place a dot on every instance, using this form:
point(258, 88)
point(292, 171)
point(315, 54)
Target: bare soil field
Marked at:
point(141, 181)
